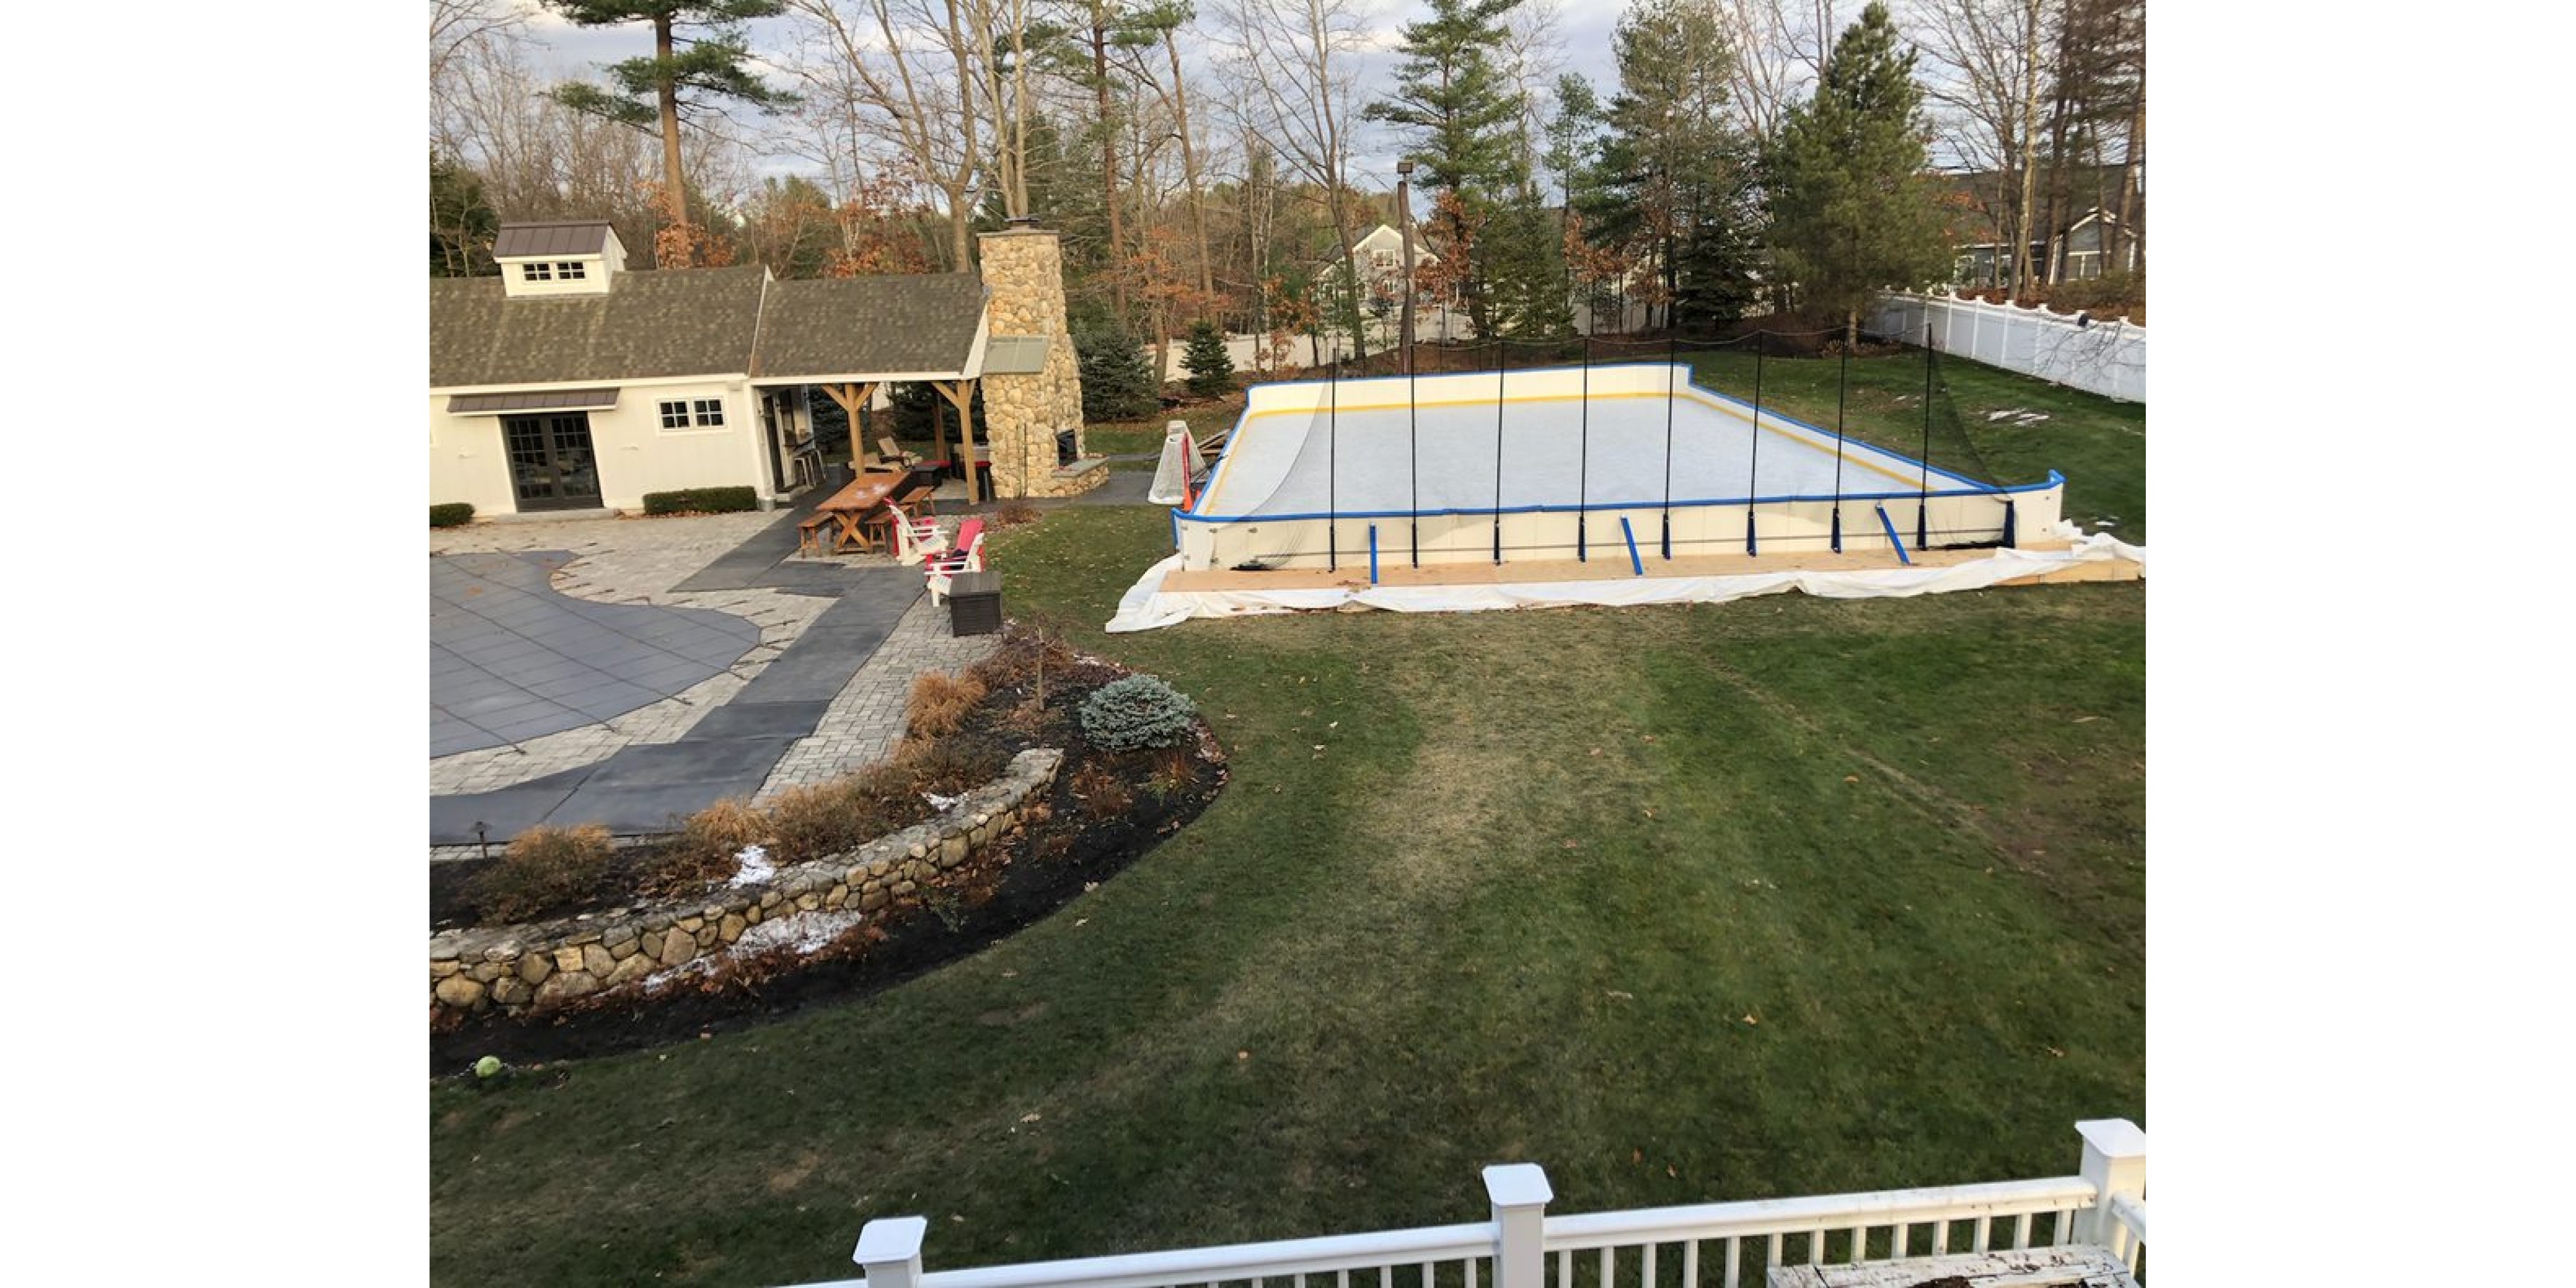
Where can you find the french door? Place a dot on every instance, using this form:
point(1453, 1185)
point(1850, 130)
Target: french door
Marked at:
point(552, 466)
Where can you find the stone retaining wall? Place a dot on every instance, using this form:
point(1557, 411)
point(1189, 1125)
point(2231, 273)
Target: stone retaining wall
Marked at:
point(535, 965)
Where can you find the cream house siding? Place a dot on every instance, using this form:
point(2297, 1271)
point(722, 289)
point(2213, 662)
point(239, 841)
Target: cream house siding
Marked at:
point(635, 454)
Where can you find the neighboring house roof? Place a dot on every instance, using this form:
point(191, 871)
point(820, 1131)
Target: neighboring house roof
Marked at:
point(861, 326)
point(676, 322)
point(558, 237)
point(705, 321)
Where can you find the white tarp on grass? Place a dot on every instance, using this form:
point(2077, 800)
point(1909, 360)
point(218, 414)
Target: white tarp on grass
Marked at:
point(1147, 606)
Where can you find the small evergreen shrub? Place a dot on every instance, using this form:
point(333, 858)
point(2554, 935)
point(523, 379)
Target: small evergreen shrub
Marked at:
point(454, 514)
point(1117, 379)
point(1137, 712)
point(1211, 367)
point(545, 867)
point(702, 500)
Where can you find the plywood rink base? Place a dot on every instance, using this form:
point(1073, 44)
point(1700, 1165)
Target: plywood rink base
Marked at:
point(1397, 572)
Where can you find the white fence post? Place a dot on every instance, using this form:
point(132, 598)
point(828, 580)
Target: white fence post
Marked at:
point(890, 1248)
point(2115, 1162)
point(1519, 1193)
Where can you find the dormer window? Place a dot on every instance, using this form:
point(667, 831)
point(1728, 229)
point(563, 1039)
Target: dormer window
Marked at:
point(563, 258)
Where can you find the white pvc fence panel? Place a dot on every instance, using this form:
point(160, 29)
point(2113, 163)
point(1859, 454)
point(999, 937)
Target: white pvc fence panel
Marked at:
point(1708, 1245)
point(2106, 356)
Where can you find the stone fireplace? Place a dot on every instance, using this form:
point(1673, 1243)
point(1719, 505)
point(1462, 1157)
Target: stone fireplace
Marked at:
point(1032, 382)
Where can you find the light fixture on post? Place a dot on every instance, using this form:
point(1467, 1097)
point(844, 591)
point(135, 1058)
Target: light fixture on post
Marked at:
point(1404, 217)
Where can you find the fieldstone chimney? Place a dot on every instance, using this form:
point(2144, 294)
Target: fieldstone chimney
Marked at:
point(1032, 381)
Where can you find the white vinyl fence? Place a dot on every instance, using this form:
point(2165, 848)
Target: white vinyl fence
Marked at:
point(1707, 1245)
point(2106, 356)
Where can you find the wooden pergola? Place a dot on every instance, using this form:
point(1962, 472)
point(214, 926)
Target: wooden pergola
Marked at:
point(959, 393)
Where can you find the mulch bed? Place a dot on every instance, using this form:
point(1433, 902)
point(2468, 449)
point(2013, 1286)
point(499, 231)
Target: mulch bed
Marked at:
point(1010, 884)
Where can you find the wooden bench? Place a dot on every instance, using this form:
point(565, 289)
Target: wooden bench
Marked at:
point(814, 533)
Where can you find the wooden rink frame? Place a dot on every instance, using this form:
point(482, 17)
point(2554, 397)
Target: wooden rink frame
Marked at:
point(1902, 511)
point(1543, 572)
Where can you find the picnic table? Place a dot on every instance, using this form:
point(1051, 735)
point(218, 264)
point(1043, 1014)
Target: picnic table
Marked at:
point(841, 523)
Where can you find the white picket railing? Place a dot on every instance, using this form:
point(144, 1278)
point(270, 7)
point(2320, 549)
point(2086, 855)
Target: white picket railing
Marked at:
point(1708, 1245)
point(2106, 356)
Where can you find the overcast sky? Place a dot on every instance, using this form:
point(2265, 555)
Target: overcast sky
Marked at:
point(1583, 45)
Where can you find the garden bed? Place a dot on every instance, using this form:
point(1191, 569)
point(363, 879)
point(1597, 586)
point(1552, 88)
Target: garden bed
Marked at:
point(1097, 812)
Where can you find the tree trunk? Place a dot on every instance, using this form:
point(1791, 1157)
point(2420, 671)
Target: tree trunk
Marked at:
point(676, 197)
point(1190, 169)
point(2029, 151)
point(1108, 155)
point(2136, 158)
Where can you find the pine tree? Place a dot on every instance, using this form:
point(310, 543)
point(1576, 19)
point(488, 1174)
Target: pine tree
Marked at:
point(1211, 367)
point(1117, 383)
point(648, 92)
point(1673, 186)
point(1463, 115)
point(1852, 212)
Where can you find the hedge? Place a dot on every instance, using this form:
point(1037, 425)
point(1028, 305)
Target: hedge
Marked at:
point(454, 514)
point(702, 500)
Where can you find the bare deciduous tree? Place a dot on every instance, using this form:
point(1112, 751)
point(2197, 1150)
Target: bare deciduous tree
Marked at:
point(906, 73)
point(1300, 93)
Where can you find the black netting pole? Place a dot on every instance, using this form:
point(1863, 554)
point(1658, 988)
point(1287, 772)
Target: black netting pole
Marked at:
point(1672, 359)
point(1923, 507)
point(1413, 454)
point(1842, 387)
point(1332, 477)
point(1583, 467)
point(1753, 466)
point(1502, 366)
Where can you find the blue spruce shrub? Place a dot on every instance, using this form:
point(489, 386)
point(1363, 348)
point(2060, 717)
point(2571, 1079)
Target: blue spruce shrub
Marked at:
point(1135, 713)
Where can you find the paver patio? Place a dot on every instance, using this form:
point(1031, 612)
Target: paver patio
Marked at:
point(809, 691)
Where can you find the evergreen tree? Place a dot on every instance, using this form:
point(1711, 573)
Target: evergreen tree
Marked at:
point(1117, 382)
point(1211, 367)
point(1673, 187)
point(462, 223)
point(1852, 211)
point(1463, 114)
point(648, 93)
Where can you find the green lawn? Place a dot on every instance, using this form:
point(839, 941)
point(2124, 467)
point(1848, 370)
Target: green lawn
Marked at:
point(2099, 445)
point(1685, 903)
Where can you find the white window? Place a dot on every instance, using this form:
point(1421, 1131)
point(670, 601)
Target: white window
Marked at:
point(537, 272)
point(710, 411)
point(571, 270)
point(675, 415)
point(1382, 258)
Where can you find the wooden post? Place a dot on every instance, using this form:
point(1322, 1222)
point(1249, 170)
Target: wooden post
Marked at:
point(890, 1248)
point(2115, 1161)
point(854, 400)
point(1519, 1193)
point(961, 395)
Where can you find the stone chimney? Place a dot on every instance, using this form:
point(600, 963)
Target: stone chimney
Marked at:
point(1023, 410)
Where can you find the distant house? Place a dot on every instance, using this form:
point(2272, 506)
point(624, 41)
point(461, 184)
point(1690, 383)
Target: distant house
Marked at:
point(2083, 244)
point(570, 382)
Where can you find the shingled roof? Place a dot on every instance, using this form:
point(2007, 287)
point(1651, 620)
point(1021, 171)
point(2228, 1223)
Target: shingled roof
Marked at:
point(860, 326)
point(689, 322)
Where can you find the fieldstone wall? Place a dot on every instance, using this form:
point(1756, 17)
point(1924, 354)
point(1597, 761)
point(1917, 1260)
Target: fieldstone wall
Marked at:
point(536, 965)
point(1024, 270)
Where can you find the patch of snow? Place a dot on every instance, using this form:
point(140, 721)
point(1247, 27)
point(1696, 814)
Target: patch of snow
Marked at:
point(804, 932)
point(663, 978)
point(2008, 411)
point(756, 867)
point(943, 803)
point(2030, 418)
